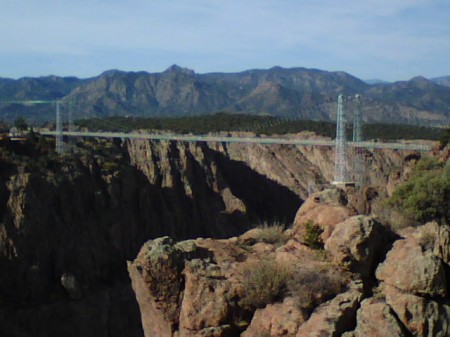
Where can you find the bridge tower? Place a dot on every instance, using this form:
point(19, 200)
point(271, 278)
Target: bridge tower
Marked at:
point(340, 172)
point(59, 144)
point(359, 166)
point(357, 132)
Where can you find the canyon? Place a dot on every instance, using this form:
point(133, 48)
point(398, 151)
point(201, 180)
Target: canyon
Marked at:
point(69, 225)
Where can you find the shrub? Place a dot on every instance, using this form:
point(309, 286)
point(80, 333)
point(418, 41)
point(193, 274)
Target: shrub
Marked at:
point(264, 282)
point(312, 235)
point(273, 234)
point(425, 196)
point(312, 286)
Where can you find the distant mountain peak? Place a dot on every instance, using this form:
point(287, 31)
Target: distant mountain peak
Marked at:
point(111, 72)
point(376, 81)
point(443, 80)
point(419, 79)
point(174, 68)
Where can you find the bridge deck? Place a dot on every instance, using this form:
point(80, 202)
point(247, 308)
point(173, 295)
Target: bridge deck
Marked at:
point(250, 140)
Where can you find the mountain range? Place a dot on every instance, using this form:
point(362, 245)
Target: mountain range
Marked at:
point(284, 92)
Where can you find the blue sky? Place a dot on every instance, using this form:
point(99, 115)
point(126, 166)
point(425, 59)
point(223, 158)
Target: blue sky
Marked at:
point(385, 39)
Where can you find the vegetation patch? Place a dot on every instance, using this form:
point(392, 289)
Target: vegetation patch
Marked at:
point(312, 235)
point(313, 286)
point(272, 234)
point(425, 195)
point(445, 138)
point(267, 125)
point(264, 282)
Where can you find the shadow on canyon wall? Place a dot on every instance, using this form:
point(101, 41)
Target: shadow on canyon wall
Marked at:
point(66, 232)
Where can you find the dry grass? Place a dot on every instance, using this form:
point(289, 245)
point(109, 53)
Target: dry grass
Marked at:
point(264, 282)
point(272, 234)
point(313, 286)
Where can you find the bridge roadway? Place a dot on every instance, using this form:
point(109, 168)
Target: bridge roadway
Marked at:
point(248, 140)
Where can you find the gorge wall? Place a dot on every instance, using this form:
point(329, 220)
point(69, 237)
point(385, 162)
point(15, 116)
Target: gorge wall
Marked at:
point(68, 225)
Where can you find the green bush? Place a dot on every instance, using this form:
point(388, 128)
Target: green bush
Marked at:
point(312, 235)
point(425, 196)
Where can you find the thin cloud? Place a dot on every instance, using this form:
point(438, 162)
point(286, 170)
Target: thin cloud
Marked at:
point(213, 35)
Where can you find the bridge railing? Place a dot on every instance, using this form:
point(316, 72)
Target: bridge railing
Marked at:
point(248, 140)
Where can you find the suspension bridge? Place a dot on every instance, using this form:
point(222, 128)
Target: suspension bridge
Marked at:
point(341, 144)
point(231, 139)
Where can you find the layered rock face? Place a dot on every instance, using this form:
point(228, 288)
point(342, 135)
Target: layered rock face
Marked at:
point(69, 225)
point(302, 169)
point(367, 282)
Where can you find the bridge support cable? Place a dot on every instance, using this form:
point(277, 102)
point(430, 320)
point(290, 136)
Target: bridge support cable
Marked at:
point(59, 143)
point(71, 128)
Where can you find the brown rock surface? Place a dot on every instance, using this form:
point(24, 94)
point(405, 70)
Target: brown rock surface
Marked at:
point(205, 302)
point(325, 209)
point(355, 244)
point(376, 319)
point(431, 236)
point(198, 287)
point(334, 317)
point(157, 282)
point(421, 316)
point(409, 268)
point(181, 289)
point(411, 300)
point(276, 320)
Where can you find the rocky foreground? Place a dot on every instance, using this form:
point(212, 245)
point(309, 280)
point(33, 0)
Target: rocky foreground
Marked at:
point(364, 281)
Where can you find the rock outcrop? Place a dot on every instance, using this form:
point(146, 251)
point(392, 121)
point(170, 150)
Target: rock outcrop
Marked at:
point(335, 317)
point(278, 320)
point(420, 272)
point(223, 284)
point(376, 319)
point(412, 298)
point(324, 209)
point(362, 285)
point(355, 244)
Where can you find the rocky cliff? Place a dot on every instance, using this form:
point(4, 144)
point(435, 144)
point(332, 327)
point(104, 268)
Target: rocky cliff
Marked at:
point(68, 225)
point(367, 282)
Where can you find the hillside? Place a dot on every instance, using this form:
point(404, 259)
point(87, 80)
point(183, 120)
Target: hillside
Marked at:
point(296, 92)
point(443, 80)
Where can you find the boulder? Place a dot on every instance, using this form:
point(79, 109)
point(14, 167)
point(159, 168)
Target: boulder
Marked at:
point(276, 320)
point(431, 236)
point(354, 244)
point(412, 269)
point(157, 282)
point(325, 209)
point(422, 317)
point(376, 319)
point(204, 301)
point(334, 317)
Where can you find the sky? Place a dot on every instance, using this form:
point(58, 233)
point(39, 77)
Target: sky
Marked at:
point(370, 39)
